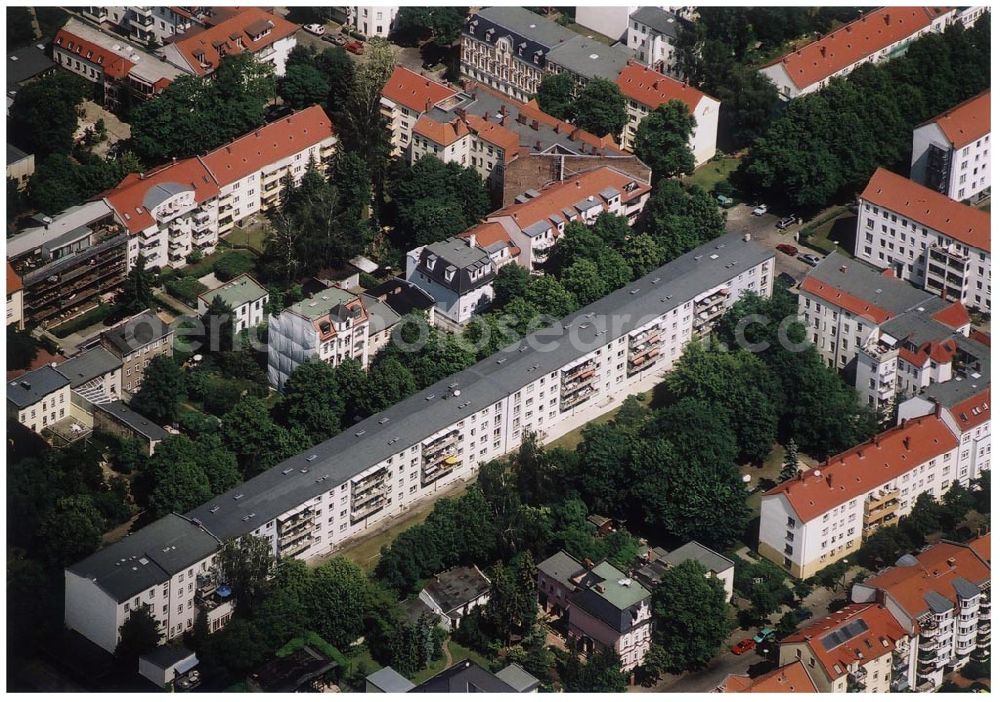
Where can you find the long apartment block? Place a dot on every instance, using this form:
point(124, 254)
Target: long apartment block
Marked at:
point(565, 375)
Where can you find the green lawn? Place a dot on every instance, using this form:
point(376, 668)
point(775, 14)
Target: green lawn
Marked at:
point(252, 237)
point(770, 471)
point(458, 653)
point(571, 439)
point(832, 221)
point(713, 172)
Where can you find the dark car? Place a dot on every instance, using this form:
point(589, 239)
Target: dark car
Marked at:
point(355, 47)
point(786, 222)
point(337, 39)
point(741, 647)
point(787, 249)
point(276, 112)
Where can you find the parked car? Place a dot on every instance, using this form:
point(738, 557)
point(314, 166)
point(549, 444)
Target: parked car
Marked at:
point(355, 47)
point(786, 222)
point(337, 39)
point(787, 249)
point(276, 112)
point(743, 646)
point(764, 634)
point(725, 201)
point(759, 210)
point(317, 29)
point(811, 259)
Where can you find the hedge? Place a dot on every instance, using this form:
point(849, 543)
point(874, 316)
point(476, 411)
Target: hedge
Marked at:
point(98, 314)
point(186, 289)
point(232, 264)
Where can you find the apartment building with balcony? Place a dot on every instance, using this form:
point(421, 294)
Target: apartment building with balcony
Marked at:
point(925, 237)
point(244, 296)
point(153, 25)
point(137, 341)
point(941, 597)
point(69, 263)
point(267, 36)
point(850, 650)
point(372, 20)
point(405, 97)
point(818, 518)
point(458, 274)
point(646, 89)
point(110, 62)
point(475, 415)
point(951, 152)
point(331, 325)
point(652, 36)
point(881, 34)
point(15, 298)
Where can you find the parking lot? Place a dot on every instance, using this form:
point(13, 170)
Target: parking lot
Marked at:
point(740, 218)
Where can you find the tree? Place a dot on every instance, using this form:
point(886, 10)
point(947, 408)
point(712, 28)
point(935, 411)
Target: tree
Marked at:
point(643, 253)
point(556, 95)
point(442, 24)
point(342, 598)
point(71, 530)
point(22, 349)
point(302, 86)
point(60, 181)
point(582, 279)
point(548, 294)
point(790, 465)
point(510, 282)
point(690, 616)
point(313, 400)
point(43, 116)
point(513, 604)
point(249, 432)
point(750, 102)
point(389, 382)
point(663, 140)
point(161, 389)
point(763, 584)
point(178, 488)
point(20, 30)
point(219, 325)
point(600, 108)
point(602, 672)
point(138, 635)
point(246, 564)
point(680, 219)
point(184, 473)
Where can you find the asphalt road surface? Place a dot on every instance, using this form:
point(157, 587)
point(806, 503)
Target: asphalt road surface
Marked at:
point(740, 219)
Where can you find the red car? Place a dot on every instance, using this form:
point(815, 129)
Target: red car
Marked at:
point(743, 646)
point(355, 47)
point(787, 249)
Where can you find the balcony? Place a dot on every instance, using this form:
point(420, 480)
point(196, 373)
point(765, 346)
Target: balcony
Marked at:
point(297, 548)
point(586, 367)
point(369, 508)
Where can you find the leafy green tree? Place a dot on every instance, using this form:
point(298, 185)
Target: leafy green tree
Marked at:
point(162, 386)
point(690, 616)
point(302, 86)
point(790, 464)
point(389, 382)
point(556, 95)
point(177, 487)
point(352, 388)
point(680, 219)
point(20, 30)
point(763, 584)
point(43, 116)
point(22, 349)
point(600, 673)
point(513, 604)
point(441, 24)
point(71, 530)
point(548, 294)
point(219, 324)
point(750, 103)
point(884, 547)
point(342, 598)
point(600, 108)
point(582, 279)
point(246, 565)
point(138, 635)
point(60, 181)
point(663, 140)
point(643, 253)
point(313, 400)
point(510, 282)
point(258, 443)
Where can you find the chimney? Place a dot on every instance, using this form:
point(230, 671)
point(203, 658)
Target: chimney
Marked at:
point(886, 18)
point(937, 409)
point(538, 144)
point(534, 124)
point(877, 441)
point(587, 563)
point(822, 51)
point(906, 442)
point(843, 269)
point(472, 240)
point(829, 479)
point(427, 105)
point(746, 236)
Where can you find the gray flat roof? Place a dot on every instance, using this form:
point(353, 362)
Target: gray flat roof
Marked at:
point(456, 587)
point(917, 324)
point(132, 419)
point(146, 558)
point(24, 64)
point(709, 559)
point(658, 19)
point(237, 292)
point(518, 678)
point(412, 420)
point(135, 333)
point(561, 567)
point(35, 385)
point(527, 24)
point(589, 58)
point(867, 283)
point(89, 365)
point(68, 220)
point(388, 680)
point(167, 656)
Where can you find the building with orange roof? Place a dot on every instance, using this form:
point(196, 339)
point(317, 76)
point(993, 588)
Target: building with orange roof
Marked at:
point(925, 237)
point(821, 516)
point(881, 34)
point(792, 677)
point(406, 96)
point(951, 152)
point(15, 298)
point(267, 36)
point(646, 89)
point(942, 596)
point(187, 205)
point(850, 650)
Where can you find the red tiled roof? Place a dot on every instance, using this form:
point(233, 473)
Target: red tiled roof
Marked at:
point(489, 233)
point(652, 89)
point(877, 640)
point(13, 280)
point(954, 316)
point(841, 298)
point(269, 144)
point(414, 91)
point(233, 35)
point(980, 336)
point(441, 133)
point(967, 121)
point(939, 352)
point(788, 678)
point(853, 42)
point(936, 569)
point(128, 198)
point(494, 134)
point(972, 412)
point(113, 65)
point(929, 208)
point(865, 467)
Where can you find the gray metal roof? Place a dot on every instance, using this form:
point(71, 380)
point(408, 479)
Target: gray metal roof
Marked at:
point(135, 333)
point(527, 24)
point(237, 292)
point(937, 603)
point(162, 192)
point(518, 678)
point(410, 421)
point(31, 387)
point(147, 558)
point(68, 220)
point(14, 154)
point(465, 259)
point(465, 676)
point(380, 315)
point(589, 58)
point(132, 419)
point(25, 64)
point(88, 365)
point(867, 283)
point(660, 20)
point(965, 589)
point(388, 680)
point(917, 324)
point(709, 559)
point(561, 567)
point(167, 656)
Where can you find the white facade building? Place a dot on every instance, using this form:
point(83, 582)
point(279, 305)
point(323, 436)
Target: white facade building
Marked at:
point(652, 37)
point(926, 238)
point(38, 399)
point(457, 273)
point(246, 298)
point(951, 153)
point(384, 465)
point(372, 20)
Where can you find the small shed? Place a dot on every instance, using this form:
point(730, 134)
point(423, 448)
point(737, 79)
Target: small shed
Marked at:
point(387, 680)
point(168, 664)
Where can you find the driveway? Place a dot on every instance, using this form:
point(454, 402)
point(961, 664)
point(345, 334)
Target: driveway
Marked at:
point(740, 219)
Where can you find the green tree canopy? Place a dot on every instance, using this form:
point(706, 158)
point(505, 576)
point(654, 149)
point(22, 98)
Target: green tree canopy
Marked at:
point(43, 117)
point(246, 565)
point(303, 85)
point(690, 616)
point(71, 530)
point(161, 390)
point(313, 401)
point(663, 138)
point(138, 635)
point(556, 95)
point(600, 108)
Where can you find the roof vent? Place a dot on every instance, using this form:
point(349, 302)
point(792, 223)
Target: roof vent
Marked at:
point(237, 497)
point(286, 471)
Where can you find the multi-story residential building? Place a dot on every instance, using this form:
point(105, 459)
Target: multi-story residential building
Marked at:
point(791, 677)
point(536, 220)
point(941, 597)
point(645, 90)
point(154, 25)
point(95, 375)
point(926, 238)
point(405, 97)
point(968, 16)
point(652, 37)
point(108, 61)
point(244, 296)
point(20, 166)
point(881, 34)
point(331, 325)
point(136, 342)
point(456, 592)
point(39, 398)
point(372, 21)
point(850, 650)
point(811, 521)
point(267, 36)
point(15, 298)
point(69, 263)
point(186, 205)
point(611, 21)
point(622, 344)
point(458, 274)
point(951, 152)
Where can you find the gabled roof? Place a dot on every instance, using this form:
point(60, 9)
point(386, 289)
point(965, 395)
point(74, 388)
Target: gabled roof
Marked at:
point(854, 41)
point(966, 122)
point(953, 316)
point(132, 334)
point(972, 412)
point(414, 91)
point(491, 235)
point(83, 368)
point(113, 63)
point(441, 133)
point(35, 385)
point(929, 208)
point(13, 280)
point(788, 678)
point(660, 20)
point(866, 467)
point(652, 89)
point(252, 29)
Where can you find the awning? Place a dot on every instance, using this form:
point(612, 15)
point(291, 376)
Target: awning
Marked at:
point(186, 665)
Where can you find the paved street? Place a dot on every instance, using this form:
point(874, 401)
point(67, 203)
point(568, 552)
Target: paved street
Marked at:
point(739, 218)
